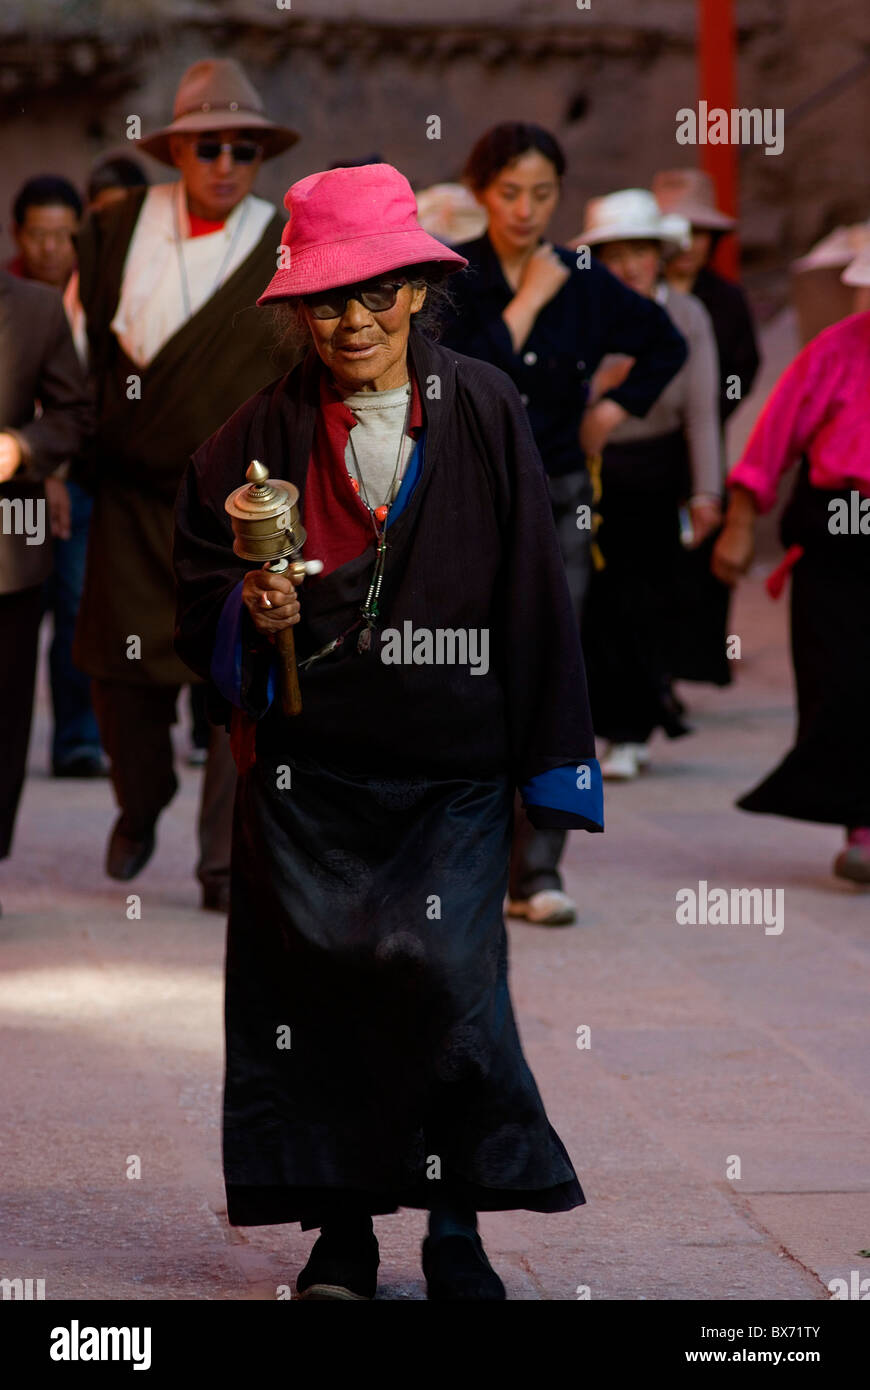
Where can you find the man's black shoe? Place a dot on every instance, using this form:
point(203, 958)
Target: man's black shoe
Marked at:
point(456, 1267)
point(128, 854)
point(341, 1271)
point(88, 765)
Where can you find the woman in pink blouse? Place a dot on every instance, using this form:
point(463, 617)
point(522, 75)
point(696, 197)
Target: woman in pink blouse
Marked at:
point(818, 415)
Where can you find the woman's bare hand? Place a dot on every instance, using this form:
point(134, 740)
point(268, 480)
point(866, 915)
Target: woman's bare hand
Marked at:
point(706, 516)
point(733, 551)
point(271, 600)
point(543, 276)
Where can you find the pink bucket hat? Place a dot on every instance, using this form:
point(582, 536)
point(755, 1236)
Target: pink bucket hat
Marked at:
point(348, 225)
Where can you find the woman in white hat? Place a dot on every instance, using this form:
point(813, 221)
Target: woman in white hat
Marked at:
point(818, 415)
point(649, 467)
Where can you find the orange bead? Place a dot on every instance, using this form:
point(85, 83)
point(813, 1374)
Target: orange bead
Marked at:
point(354, 483)
point(381, 513)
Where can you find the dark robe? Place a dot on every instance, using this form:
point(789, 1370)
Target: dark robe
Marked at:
point(727, 306)
point(366, 913)
point(142, 446)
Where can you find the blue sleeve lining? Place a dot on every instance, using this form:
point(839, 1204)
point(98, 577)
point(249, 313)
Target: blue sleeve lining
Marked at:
point(226, 662)
point(576, 789)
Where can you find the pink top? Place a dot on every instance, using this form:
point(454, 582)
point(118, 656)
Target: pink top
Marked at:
point(819, 407)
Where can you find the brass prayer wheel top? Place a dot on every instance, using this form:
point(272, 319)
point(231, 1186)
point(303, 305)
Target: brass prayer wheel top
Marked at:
point(265, 517)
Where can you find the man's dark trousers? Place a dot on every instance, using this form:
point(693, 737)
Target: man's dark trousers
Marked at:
point(135, 727)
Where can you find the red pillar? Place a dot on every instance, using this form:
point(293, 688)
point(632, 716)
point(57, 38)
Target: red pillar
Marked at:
point(717, 85)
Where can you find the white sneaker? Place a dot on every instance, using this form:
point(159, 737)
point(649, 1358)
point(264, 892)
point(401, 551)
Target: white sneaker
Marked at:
point(621, 763)
point(549, 908)
point(642, 753)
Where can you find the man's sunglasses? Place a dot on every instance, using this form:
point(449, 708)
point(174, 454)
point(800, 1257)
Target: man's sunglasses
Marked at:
point(241, 151)
point(376, 295)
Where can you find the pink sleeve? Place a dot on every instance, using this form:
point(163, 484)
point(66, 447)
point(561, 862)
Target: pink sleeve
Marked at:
point(793, 412)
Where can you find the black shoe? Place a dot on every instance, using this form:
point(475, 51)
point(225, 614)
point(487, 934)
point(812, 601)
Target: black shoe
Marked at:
point(128, 854)
point(456, 1267)
point(341, 1271)
point(88, 765)
point(216, 897)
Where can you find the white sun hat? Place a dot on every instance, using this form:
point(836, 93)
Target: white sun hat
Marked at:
point(633, 214)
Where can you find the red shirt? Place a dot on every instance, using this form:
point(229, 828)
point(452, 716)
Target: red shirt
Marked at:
point(819, 407)
point(201, 226)
point(337, 521)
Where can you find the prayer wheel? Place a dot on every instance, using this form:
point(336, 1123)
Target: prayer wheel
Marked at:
point(265, 517)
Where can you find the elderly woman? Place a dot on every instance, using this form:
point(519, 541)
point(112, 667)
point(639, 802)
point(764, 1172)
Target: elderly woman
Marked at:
point(372, 1057)
point(649, 467)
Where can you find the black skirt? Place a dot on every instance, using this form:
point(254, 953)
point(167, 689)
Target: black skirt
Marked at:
point(630, 623)
point(372, 1055)
point(826, 775)
point(702, 604)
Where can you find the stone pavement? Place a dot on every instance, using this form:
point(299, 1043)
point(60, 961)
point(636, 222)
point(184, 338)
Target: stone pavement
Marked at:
point(706, 1043)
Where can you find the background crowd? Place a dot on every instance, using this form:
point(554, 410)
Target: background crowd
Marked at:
point(628, 350)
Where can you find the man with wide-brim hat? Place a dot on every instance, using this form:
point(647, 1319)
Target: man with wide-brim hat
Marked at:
point(440, 669)
point(169, 277)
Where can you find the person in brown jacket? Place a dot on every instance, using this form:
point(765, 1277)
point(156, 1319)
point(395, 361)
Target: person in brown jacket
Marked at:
point(168, 279)
point(45, 415)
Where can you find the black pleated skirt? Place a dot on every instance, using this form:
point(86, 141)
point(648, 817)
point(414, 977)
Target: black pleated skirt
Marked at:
point(630, 625)
point(372, 1055)
point(826, 775)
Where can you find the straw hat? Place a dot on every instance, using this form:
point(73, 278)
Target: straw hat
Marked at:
point(691, 194)
point(215, 94)
point(349, 225)
point(632, 214)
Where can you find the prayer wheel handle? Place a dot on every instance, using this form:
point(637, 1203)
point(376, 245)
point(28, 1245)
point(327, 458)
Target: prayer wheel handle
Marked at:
point(266, 525)
point(288, 674)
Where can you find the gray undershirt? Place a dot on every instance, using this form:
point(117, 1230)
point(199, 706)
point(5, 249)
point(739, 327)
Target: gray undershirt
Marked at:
point(381, 416)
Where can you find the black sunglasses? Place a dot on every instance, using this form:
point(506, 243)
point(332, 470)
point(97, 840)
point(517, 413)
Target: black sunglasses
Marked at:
point(377, 296)
point(241, 151)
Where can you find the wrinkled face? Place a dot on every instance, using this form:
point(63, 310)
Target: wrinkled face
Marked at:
point(635, 263)
point(366, 350)
point(690, 261)
point(521, 200)
point(214, 187)
point(45, 241)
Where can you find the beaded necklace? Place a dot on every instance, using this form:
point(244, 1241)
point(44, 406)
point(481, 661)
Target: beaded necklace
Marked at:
point(378, 517)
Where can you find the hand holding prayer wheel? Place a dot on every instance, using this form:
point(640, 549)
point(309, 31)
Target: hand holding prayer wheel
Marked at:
point(265, 519)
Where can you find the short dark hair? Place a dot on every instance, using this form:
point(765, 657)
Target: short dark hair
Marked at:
point(503, 144)
point(117, 172)
point(46, 190)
